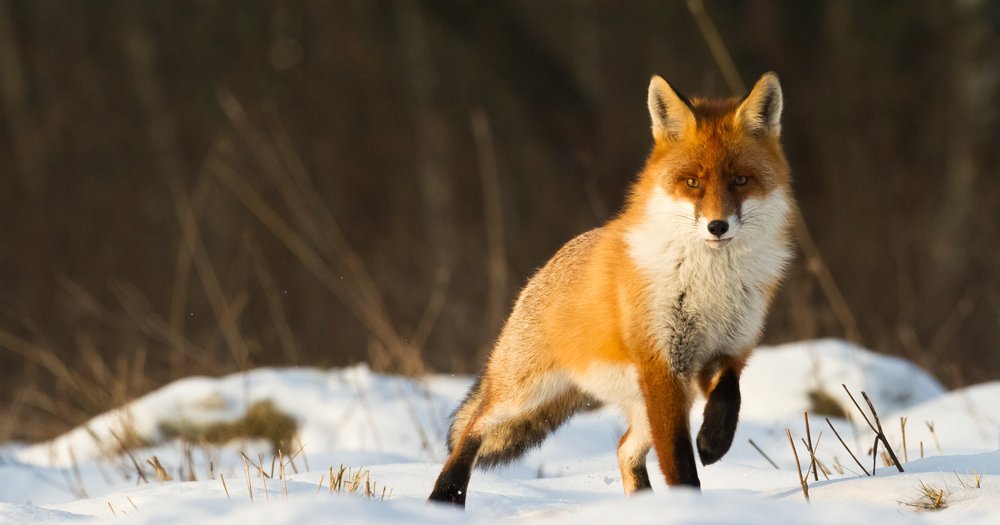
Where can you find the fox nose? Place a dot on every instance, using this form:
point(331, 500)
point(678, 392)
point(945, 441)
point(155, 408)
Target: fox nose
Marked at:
point(718, 228)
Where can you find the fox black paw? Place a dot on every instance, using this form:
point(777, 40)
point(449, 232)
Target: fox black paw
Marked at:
point(719, 424)
point(713, 444)
point(454, 497)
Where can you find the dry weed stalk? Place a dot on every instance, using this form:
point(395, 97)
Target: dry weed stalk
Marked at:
point(930, 426)
point(246, 466)
point(311, 233)
point(161, 473)
point(357, 482)
point(902, 429)
point(814, 463)
point(848, 449)
point(135, 462)
point(876, 428)
point(803, 479)
point(761, 452)
point(281, 471)
point(76, 472)
point(837, 466)
point(975, 480)
point(187, 460)
point(224, 487)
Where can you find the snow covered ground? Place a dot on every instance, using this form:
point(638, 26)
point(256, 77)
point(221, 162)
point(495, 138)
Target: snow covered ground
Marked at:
point(394, 428)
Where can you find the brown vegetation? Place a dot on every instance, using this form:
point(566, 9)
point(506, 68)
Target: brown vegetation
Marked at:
point(203, 187)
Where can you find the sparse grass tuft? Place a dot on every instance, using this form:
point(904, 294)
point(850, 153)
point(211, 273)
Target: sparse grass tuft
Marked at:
point(161, 473)
point(262, 420)
point(929, 498)
point(357, 482)
point(970, 481)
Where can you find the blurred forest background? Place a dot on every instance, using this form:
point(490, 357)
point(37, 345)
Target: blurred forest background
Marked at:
point(200, 187)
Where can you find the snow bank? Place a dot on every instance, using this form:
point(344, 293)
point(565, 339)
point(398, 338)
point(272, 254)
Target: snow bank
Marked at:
point(395, 427)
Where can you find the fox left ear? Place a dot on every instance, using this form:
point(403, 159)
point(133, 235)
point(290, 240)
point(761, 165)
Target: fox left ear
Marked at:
point(669, 111)
point(760, 111)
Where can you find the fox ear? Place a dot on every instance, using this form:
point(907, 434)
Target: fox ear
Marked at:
point(670, 112)
point(760, 111)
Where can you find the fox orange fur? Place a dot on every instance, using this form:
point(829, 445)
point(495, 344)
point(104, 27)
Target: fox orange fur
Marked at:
point(665, 300)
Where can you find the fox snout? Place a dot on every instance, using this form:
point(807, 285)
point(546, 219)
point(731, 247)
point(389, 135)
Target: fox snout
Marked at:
point(718, 232)
point(718, 228)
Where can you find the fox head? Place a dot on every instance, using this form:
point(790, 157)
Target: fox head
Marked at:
point(717, 167)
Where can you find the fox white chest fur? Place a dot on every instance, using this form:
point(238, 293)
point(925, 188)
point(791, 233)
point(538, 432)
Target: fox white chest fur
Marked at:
point(704, 301)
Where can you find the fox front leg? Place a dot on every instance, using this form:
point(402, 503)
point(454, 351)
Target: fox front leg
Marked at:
point(722, 411)
point(668, 402)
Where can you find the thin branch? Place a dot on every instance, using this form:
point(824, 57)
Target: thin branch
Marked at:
point(128, 453)
point(809, 448)
point(848, 449)
point(798, 466)
point(902, 428)
point(718, 48)
point(754, 445)
point(881, 434)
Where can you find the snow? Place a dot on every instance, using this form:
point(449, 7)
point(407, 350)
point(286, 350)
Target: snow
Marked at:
point(394, 427)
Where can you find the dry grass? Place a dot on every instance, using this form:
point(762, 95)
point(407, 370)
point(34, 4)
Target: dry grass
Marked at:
point(970, 481)
point(356, 482)
point(262, 420)
point(929, 498)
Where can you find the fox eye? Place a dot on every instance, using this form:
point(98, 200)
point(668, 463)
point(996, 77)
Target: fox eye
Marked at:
point(692, 183)
point(741, 180)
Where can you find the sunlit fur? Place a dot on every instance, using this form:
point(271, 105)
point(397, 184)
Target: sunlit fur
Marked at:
point(644, 310)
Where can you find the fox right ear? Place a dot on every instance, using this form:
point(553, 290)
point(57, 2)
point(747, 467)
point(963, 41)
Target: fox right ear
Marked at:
point(670, 112)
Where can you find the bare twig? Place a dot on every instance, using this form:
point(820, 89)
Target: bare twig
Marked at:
point(848, 449)
point(224, 312)
point(246, 466)
point(930, 426)
point(716, 46)
point(874, 455)
point(902, 428)
point(322, 245)
point(754, 445)
point(161, 473)
point(224, 487)
point(814, 462)
point(876, 427)
point(809, 448)
point(128, 453)
point(798, 466)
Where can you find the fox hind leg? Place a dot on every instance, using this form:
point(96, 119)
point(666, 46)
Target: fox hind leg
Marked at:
point(632, 451)
point(489, 430)
point(453, 482)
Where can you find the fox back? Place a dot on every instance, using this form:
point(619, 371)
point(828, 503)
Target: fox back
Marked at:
point(665, 300)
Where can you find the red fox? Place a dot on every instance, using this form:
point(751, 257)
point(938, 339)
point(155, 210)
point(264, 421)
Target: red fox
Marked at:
point(665, 300)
